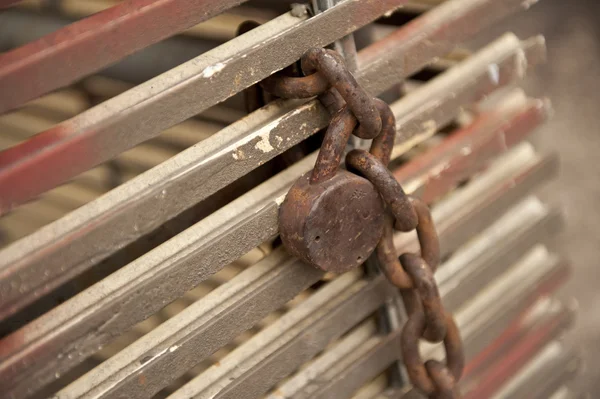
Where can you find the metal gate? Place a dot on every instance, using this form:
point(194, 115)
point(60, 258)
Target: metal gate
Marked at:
point(139, 226)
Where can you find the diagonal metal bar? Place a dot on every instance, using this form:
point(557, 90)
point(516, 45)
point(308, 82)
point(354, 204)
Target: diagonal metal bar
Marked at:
point(35, 265)
point(75, 329)
point(524, 226)
point(19, 27)
point(513, 360)
point(554, 366)
point(88, 45)
point(489, 134)
point(102, 132)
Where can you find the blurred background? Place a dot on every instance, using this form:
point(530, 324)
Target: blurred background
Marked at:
point(571, 79)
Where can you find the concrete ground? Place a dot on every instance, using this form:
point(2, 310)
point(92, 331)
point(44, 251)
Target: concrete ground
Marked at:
point(571, 79)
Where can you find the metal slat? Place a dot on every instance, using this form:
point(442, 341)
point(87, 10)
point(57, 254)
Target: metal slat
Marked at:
point(491, 380)
point(554, 366)
point(489, 134)
point(19, 27)
point(547, 279)
point(499, 64)
point(33, 266)
point(258, 364)
point(528, 224)
point(88, 45)
point(141, 113)
point(502, 198)
point(240, 385)
point(101, 311)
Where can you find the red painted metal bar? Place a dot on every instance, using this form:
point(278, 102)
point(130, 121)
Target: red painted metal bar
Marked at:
point(490, 134)
point(7, 3)
point(492, 380)
point(87, 46)
point(495, 351)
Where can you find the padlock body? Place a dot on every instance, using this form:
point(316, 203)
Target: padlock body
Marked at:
point(334, 225)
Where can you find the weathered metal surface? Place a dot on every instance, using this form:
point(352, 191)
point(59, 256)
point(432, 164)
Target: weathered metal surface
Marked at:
point(429, 320)
point(84, 321)
point(548, 275)
point(445, 22)
point(34, 266)
point(161, 357)
point(143, 287)
point(75, 329)
point(421, 376)
point(429, 248)
point(88, 45)
point(100, 133)
point(333, 219)
point(242, 364)
point(466, 83)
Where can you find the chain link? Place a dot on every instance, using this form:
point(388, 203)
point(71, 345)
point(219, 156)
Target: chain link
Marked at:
point(412, 273)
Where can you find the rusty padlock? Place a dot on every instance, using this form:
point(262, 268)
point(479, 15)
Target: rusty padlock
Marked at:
point(331, 218)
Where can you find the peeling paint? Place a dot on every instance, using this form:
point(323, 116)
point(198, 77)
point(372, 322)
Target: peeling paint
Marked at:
point(212, 69)
point(264, 144)
point(437, 170)
point(279, 200)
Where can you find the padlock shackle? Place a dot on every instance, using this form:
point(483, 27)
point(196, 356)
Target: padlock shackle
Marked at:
point(334, 145)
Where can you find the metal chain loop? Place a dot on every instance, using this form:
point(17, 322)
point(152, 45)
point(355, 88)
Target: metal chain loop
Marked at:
point(371, 118)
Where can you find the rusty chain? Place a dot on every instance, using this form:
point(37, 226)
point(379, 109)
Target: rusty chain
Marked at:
point(356, 112)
